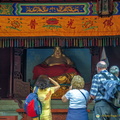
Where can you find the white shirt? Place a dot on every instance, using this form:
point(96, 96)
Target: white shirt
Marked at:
point(77, 100)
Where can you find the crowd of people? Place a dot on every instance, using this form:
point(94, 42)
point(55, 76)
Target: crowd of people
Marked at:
point(78, 97)
point(102, 109)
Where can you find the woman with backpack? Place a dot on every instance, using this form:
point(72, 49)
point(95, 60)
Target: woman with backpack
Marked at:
point(45, 92)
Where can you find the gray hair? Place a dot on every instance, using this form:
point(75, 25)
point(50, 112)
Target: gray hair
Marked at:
point(101, 64)
point(114, 69)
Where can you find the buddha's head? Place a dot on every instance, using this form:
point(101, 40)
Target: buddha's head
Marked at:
point(57, 52)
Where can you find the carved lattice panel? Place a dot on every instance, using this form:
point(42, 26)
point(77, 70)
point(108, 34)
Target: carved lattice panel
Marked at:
point(17, 64)
point(21, 89)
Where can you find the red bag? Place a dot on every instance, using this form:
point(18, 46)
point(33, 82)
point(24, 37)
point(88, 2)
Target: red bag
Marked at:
point(32, 105)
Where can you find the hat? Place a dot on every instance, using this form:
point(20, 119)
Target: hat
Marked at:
point(114, 69)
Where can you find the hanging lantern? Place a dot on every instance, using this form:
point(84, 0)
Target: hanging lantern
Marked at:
point(104, 7)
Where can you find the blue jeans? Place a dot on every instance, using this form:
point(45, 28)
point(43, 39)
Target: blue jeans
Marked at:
point(77, 114)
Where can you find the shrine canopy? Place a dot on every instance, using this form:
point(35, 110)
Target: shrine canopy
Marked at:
point(63, 24)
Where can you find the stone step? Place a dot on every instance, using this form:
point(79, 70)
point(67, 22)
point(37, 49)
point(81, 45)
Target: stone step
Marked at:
point(8, 113)
point(55, 104)
point(7, 102)
point(8, 105)
point(12, 105)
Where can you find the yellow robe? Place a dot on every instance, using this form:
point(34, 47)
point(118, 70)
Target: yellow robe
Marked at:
point(45, 98)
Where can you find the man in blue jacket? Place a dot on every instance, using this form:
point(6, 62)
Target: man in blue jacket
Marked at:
point(102, 109)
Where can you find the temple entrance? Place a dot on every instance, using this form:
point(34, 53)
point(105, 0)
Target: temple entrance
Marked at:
point(16, 65)
point(63, 74)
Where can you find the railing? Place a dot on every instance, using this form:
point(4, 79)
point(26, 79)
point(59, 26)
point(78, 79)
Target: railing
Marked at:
point(8, 117)
point(57, 114)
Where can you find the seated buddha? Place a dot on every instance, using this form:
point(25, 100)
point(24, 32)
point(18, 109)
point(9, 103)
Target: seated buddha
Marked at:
point(59, 67)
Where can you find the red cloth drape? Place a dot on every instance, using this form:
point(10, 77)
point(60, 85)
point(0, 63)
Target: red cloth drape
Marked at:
point(52, 71)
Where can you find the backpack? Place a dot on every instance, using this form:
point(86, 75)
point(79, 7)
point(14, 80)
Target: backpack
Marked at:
point(32, 105)
point(111, 91)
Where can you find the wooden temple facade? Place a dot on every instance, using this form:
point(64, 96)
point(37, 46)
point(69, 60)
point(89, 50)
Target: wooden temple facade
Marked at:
point(47, 23)
point(36, 24)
